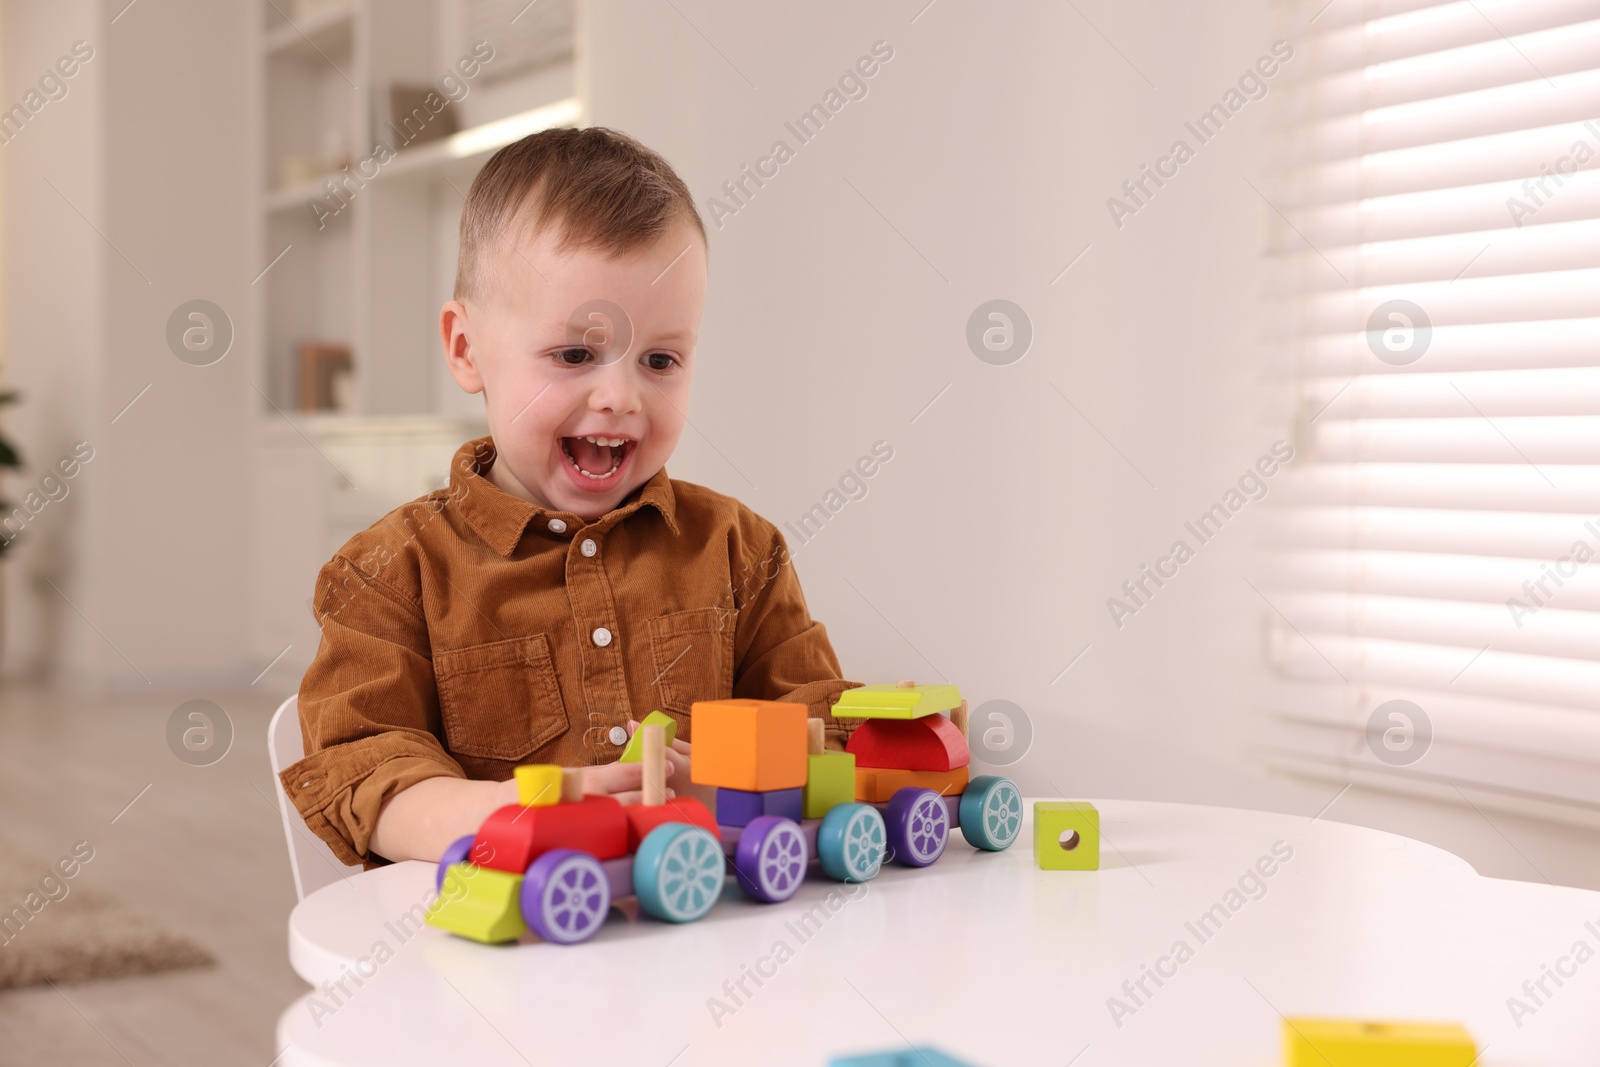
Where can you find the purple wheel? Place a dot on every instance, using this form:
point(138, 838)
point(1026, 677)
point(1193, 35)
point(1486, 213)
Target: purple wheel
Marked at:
point(771, 859)
point(456, 853)
point(565, 896)
point(919, 826)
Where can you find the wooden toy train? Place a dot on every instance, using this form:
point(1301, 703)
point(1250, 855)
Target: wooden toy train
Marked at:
point(555, 861)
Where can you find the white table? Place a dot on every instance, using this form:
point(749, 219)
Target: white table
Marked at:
point(982, 955)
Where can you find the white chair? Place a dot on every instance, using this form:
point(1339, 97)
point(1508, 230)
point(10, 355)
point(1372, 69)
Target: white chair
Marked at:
point(312, 861)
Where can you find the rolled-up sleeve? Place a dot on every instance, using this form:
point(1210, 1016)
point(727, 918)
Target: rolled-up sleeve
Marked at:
point(781, 652)
point(369, 710)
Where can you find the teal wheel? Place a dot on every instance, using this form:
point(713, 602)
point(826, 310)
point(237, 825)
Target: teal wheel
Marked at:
point(991, 812)
point(678, 872)
point(851, 842)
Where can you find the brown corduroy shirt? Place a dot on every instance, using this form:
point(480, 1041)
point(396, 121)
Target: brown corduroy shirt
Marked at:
point(470, 631)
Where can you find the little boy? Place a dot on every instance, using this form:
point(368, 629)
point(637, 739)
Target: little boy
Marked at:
point(563, 586)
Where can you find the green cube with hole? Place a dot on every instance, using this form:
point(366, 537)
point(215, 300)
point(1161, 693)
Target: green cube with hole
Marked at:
point(1066, 835)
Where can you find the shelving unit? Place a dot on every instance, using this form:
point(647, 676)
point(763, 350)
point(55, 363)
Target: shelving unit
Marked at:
point(327, 29)
point(362, 253)
point(367, 255)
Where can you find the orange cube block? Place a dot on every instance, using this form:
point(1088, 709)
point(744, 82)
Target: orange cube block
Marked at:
point(754, 745)
point(877, 785)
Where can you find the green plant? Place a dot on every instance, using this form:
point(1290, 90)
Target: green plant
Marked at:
point(9, 457)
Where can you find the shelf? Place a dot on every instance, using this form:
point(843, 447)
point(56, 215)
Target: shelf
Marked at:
point(339, 425)
point(479, 142)
point(325, 32)
point(459, 149)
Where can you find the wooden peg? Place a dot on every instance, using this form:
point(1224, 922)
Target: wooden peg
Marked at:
point(958, 715)
point(654, 758)
point(814, 742)
point(571, 785)
point(906, 683)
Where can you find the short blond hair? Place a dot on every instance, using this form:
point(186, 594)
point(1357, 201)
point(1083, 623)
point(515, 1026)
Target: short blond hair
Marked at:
point(605, 190)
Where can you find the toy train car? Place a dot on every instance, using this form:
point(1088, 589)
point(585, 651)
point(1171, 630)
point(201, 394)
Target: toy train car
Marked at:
point(554, 862)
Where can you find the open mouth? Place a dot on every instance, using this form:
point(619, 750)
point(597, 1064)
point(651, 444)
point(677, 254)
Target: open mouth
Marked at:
point(596, 458)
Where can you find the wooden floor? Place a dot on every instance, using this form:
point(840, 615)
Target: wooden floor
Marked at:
point(203, 850)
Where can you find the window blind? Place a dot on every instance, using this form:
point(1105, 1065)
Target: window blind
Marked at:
point(1431, 569)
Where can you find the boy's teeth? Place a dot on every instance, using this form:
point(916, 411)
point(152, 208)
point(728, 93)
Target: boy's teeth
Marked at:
point(600, 452)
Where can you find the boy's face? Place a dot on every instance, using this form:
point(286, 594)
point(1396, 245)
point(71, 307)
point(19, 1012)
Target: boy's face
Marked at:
point(571, 345)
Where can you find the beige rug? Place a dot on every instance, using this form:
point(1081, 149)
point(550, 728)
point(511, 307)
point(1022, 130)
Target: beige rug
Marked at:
point(81, 934)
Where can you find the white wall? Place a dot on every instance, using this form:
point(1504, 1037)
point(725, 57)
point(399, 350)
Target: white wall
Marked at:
point(152, 146)
point(54, 325)
point(985, 550)
point(990, 141)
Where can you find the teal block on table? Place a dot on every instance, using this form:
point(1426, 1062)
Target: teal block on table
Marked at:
point(906, 1057)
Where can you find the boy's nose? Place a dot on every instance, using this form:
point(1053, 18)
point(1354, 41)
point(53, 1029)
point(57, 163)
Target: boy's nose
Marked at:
point(616, 388)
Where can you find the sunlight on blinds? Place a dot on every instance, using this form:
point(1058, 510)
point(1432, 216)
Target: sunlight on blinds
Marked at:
point(1433, 562)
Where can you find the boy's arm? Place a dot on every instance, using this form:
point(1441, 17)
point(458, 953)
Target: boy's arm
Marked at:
point(780, 652)
point(369, 716)
point(420, 822)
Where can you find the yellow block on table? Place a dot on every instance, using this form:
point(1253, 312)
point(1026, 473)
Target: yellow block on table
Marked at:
point(1375, 1043)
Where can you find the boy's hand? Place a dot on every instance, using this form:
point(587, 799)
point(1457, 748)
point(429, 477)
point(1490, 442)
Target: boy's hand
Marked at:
point(677, 755)
point(623, 781)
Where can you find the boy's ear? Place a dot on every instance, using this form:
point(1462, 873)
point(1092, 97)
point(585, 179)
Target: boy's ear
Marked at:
point(458, 354)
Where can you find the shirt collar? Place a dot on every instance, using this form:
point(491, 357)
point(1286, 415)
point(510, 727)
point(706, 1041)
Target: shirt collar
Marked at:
point(501, 519)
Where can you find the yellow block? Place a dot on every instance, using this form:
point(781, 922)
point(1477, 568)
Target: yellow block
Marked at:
point(1364, 1043)
point(538, 785)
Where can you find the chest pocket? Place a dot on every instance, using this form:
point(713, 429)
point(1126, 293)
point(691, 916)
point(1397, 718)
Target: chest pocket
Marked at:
point(693, 658)
point(500, 701)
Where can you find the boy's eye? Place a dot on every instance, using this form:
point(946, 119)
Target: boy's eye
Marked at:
point(576, 357)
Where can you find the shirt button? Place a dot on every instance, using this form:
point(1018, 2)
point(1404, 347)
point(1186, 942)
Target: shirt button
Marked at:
point(558, 526)
point(588, 548)
point(602, 636)
point(619, 736)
